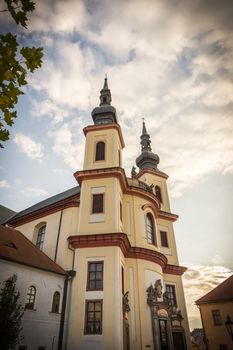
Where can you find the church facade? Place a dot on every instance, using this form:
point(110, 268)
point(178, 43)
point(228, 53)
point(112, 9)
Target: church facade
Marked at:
point(114, 236)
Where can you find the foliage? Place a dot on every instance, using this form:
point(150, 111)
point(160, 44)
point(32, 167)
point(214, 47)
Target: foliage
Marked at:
point(15, 64)
point(11, 312)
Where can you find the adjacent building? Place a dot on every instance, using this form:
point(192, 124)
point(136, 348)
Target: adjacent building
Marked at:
point(215, 307)
point(40, 282)
point(117, 233)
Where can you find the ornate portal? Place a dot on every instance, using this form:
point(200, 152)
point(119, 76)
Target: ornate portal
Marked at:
point(164, 317)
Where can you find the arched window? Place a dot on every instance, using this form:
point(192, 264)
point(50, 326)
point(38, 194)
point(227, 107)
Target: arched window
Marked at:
point(158, 193)
point(40, 237)
point(100, 151)
point(31, 296)
point(56, 302)
point(150, 230)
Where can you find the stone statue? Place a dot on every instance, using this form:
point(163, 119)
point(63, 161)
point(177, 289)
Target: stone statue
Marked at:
point(133, 172)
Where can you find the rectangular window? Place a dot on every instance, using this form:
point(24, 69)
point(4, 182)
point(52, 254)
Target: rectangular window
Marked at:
point(22, 347)
point(98, 203)
point(93, 321)
point(171, 295)
point(41, 347)
point(217, 317)
point(95, 275)
point(164, 240)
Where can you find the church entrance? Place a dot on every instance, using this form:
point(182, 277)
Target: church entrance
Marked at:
point(163, 334)
point(178, 340)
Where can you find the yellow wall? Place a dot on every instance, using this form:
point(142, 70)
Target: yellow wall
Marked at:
point(111, 296)
point(68, 228)
point(112, 149)
point(216, 334)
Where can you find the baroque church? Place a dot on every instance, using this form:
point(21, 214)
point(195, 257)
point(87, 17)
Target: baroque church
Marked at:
point(112, 237)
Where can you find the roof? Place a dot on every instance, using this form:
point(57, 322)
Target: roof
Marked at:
point(223, 292)
point(5, 213)
point(49, 201)
point(14, 246)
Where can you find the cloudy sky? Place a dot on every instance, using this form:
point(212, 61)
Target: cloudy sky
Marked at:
point(170, 62)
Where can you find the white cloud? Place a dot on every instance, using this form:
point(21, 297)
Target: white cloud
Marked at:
point(198, 280)
point(32, 191)
point(66, 146)
point(170, 63)
point(4, 184)
point(28, 146)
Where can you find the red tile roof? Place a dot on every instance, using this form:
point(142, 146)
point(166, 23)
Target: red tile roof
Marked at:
point(14, 246)
point(223, 292)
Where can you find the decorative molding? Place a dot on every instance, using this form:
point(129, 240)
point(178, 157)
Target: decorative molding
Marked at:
point(121, 240)
point(167, 216)
point(174, 269)
point(104, 127)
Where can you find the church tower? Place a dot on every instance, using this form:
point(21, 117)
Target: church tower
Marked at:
point(129, 291)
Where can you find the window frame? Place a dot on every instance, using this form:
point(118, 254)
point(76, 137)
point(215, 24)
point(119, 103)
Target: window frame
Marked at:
point(154, 238)
point(33, 295)
point(56, 306)
point(99, 153)
point(162, 232)
point(88, 288)
point(217, 318)
point(94, 195)
point(87, 301)
point(173, 287)
point(40, 236)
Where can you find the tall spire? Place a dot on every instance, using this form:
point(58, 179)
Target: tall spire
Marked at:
point(147, 158)
point(145, 138)
point(105, 113)
point(105, 93)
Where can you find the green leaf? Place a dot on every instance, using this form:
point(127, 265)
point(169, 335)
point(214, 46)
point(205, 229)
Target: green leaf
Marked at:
point(33, 57)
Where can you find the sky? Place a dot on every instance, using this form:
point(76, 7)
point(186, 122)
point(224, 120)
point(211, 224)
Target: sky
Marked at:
point(170, 62)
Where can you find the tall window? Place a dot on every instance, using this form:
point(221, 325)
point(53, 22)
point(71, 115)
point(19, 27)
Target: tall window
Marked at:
point(158, 193)
point(40, 237)
point(100, 151)
point(150, 229)
point(95, 276)
point(121, 216)
point(31, 296)
point(164, 240)
point(217, 317)
point(56, 302)
point(171, 295)
point(98, 203)
point(93, 322)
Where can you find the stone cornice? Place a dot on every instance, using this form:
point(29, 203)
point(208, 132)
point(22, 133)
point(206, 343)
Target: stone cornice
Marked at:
point(167, 216)
point(104, 127)
point(121, 240)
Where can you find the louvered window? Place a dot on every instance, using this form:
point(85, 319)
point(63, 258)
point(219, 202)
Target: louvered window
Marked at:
point(100, 151)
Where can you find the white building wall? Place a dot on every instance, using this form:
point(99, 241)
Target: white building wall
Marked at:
point(40, 326)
